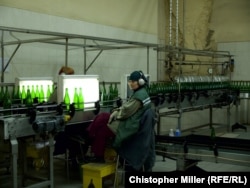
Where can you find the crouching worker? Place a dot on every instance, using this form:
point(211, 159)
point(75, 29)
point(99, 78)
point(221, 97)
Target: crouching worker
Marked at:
point(123, 124)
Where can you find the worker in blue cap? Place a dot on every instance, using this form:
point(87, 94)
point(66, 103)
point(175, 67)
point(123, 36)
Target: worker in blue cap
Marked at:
point(124, 121)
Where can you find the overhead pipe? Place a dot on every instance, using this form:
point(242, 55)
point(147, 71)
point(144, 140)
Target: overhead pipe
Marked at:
point(66, 52)
point(183, 21)
point(177, 23)
point(170, 23)
point(2, 58)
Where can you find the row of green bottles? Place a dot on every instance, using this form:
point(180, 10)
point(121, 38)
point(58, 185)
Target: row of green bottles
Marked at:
point(35, 92)
point(19, 95)
point(104, 95)
point(107, 98)
point(243, 86)
point(173, 87)
point(78, 99)
point(7, 101)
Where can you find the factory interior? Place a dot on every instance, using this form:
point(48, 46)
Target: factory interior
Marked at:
point(192, 56)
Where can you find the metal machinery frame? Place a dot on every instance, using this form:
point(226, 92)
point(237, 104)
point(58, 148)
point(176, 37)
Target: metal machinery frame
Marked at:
point(88, 43)
point(190, 93)
point(195, 92)
point(17, 127)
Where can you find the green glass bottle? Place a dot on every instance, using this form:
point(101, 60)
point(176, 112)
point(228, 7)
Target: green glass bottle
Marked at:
point(41, 94)
point(29, 100)
point(20, 92)
point(52, 88)
point(66, 99)
point(115, 90)
point(37, 94)
point(48, 93)
point(17, 98)
point(33, 93)
point(81, 99)
point(104, 94)
point(23, 95)
point(212, 133)
point(111, 94)
point(1, 96)
point(6, 93)
point(28, 88)
point(76, 99)
point(7, 102)
point(13, 95)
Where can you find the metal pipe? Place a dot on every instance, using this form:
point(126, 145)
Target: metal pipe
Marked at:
point(85, 58)
point(33, 40)
point(94, 60)
point(170, 22)
point(183, 24)
point(66, 52)
point(177, 23)
point(2, 59)
point(66, 35)
point(148, 60)
point(11, 57)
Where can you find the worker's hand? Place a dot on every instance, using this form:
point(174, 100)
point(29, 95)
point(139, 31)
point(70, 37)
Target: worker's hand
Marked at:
point(113, 117)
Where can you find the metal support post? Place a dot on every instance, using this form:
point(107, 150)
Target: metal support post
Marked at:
point(14, 155)
point(51, 160)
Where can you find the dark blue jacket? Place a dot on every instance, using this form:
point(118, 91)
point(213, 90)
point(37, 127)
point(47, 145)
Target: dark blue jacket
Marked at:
point(139, 150)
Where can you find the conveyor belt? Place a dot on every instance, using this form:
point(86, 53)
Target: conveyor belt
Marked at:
point(191, 149)
point(202, 140)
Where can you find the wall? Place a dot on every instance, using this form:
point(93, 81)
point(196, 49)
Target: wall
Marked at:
point(139, 15)
point(45, 60)
point(240, 50)
point(205, 25)
point(231, 20)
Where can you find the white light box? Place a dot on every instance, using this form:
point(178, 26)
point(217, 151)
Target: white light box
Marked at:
point(28, 82)
point(88, 83)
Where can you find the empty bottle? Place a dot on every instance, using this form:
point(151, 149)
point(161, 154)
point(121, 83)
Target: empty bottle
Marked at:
point(29, 100)
point(17, 98)
point(41, 94)
point(66, 99)
point(23, 95)
point(36, 100)
point(33, 93)
point(80, 99)
point(48, 93)
point(104, 95)
point(7, 102)
point(76, 99)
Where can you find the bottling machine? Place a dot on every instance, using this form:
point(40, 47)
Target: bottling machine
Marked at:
point(190, 147)
point(43, 120)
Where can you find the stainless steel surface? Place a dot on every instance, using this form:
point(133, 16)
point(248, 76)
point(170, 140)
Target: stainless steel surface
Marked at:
point(15, 127)
point(244, 108)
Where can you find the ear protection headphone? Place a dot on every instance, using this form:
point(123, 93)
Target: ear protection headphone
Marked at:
point(142, 80)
